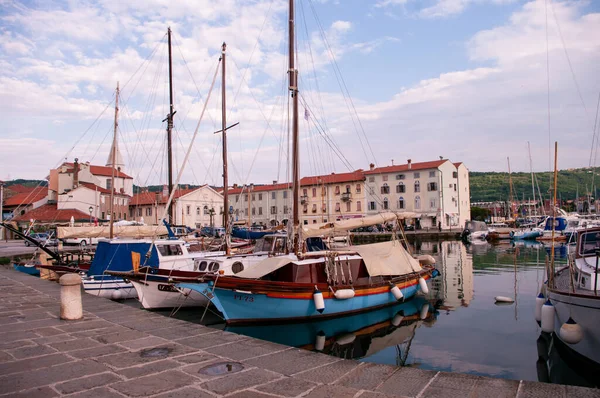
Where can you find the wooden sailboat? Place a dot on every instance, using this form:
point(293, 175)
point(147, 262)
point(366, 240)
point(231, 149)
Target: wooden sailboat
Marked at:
point(311, 281)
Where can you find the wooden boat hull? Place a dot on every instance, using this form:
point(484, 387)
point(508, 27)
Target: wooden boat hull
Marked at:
point(585, 310)
point(154, 294)
point(246, 301)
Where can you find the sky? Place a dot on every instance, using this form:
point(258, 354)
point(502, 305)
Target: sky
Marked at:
point(380, 82)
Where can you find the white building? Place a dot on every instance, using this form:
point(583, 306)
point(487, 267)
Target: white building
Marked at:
point(437, 190)
point(268, 205)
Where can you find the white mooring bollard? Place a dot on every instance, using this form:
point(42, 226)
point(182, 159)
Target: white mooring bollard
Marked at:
point(70, 297)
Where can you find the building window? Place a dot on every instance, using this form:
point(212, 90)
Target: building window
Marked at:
point(305, 192)
point(384, 178)
point(139, 212)
point(358, 188)
point(197, 211)
point(237, 198)
point(399, 176)
point(372, 206)
point(432, 173)
point(347, 188)
point(306, 222)
point(273, 195)
point(454, 174)
point(417, 186)
point(432, 204)
point(205, 210)
point(314, 208)
point(324, 208)
point(305, 208)
point(417, 175)
point(108, 184)
point(348, 209)
point(273, 209)
point(454, 187)
point(260, 196)
point(254, 211)
point(285, 194)
point(385, 204)
point(260, 211)
point(401, 203)
point(432, 186)
point(245, 197)
point(400, 188)
point(285, 209)
point(417, 202)
point(187, 210)
point(372, 190)
point(385, 189)
point(337, 206)
point(358, 206)
point(253, 197)
point(337, 189)
point(314, 192)
point(148, 211)
point(372, 179)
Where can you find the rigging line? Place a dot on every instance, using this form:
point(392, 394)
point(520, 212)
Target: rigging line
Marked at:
point(110, 129)
point(183, 147)
point(594, 135)
point(569, 61)
point(548, 87)
point(345, 87)
point(200, 157)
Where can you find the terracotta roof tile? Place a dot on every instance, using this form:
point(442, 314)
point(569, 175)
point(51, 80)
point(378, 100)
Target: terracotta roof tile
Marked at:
point(404, 167)
point(104, 171)
point(149, 198)
point(49, 213)
point(261, 188)
point(333, 178)
point(98, 188)
point(27, 198)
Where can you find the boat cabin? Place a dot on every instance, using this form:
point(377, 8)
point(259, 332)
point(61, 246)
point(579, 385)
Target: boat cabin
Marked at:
point(587, 259)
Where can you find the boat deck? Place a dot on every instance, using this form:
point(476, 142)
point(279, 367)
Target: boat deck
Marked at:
point(118, 351)
point(563, 284)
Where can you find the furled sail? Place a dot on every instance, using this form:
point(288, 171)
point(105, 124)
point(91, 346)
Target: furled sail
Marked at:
point(123, 231)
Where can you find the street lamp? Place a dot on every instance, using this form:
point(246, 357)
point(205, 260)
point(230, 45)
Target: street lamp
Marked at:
point(91, 209)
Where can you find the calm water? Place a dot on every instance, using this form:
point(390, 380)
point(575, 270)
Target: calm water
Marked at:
point(456, 327)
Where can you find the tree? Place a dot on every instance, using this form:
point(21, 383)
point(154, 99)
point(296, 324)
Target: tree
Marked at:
point(479, 213)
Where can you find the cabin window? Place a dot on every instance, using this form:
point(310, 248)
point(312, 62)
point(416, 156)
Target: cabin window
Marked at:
point(202, 266)
point(279, 245)
point(400, 188)
point(170, 250)
point(417, 186)
point(358, 206)
point(237, 267)
point(214, 266)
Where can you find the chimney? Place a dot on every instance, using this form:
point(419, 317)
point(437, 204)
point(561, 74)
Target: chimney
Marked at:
point(234, 186)
point(76, 173)
point(274, 182)
point(409, 164)
point(371, 166)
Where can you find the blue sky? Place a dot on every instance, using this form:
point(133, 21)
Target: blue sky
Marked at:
point(463, 79)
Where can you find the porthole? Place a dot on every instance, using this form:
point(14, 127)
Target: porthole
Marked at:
point(203, 265)
point(214, 266)
point(237, 267)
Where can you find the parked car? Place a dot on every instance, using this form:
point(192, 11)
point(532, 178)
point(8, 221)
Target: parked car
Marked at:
point(83, 242)
point(42, 238)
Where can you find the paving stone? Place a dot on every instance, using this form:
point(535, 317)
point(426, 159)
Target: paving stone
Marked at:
point(5, 357)
point(501, 388)
point(152, 367)
point(31, 351)
point(331, 391)
point(246, 349)
point(181, 331)
point(8, 337)
point(102, 331)
point(84, 325)
point(329, 373)
point(39, 392)
point(50, 375)
point(133, 358)
point(582, 392)
point(96, 352)
point(47, 340)
point(102, 392)
point(197, 357)
point(530, 389)
point(212, 339)
point(32, 325)
point(87, 383)
point(249, 394)
point(371, 394)
point(143, 342)
point(144, 325)
point(126, 334)
point(73, 345)
point(49, 331)
point(291, 361)
point(410, 382)
point(287, 387)
point(367, 377)
point(25, 365)
point(154, 384)
point(239, 381)
point(187, 392)
point(16, 344)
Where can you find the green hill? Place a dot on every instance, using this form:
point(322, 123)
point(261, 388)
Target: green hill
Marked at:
point(492, 186)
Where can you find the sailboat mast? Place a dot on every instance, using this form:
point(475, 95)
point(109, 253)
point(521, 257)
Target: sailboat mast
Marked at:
point(293, 87)
point(551, 273)
point(224, 129)
point(510, 187)
point(113, 161)
point(532, 183)
point(170, 129)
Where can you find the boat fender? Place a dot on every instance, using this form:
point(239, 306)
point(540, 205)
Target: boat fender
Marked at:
point(424, 311)
point(343, 294)
point(396, 292)
point(318, 299)
point(397, 319)
point(426, 259)
point(548, 317)
point(320, 341)
point(504, 299)
point(539, 302)
point(346, 338)
point(571, 332)
point(435, 273)
point(423, 285)
point(116, 295)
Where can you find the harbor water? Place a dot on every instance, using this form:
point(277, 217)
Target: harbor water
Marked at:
point(456, 327)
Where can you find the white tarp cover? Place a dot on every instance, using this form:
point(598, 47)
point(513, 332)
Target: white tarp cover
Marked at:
point(265, 267)
point(387, 258)
point(129, 231)
point(342, 226)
